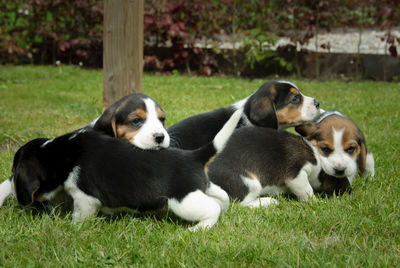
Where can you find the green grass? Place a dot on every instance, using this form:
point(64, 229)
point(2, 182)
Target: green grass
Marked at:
point(360, 229)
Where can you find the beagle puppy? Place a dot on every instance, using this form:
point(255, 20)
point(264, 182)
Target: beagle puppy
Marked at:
point(101, 172)
point(135, 118)
point(258, 161)
point(276, 104)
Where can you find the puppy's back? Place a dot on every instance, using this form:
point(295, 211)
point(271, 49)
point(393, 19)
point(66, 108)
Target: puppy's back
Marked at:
point(198, 130)
point(119, 173)
point(268, 155)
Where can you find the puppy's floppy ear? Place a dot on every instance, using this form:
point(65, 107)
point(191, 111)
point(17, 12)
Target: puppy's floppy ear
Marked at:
point(262, 112)
point(362, 157)
point(26, 184)
point(114, 127)
point(105, 121)
point(365, 161)
point(306, 130)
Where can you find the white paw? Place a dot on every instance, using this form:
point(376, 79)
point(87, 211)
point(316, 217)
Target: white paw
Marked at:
point(263, 202)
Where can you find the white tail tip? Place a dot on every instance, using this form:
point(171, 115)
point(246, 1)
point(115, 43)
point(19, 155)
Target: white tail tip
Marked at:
point(226, 131)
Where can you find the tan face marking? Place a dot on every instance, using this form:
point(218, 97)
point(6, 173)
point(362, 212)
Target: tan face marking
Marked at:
point(161, 115)
point(291, 113)
point(326, 146)
point(294, 91)
point(351, 147)
point(127, 133)
point(140, 113)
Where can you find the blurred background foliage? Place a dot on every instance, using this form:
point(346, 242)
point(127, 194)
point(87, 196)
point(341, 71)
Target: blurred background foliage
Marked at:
point(188, 35)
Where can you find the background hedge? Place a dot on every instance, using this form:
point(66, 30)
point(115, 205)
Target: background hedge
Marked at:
point(70, 31)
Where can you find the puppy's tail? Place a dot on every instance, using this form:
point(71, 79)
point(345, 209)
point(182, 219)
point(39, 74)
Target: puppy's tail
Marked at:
point(206, 152)
point(6, 189)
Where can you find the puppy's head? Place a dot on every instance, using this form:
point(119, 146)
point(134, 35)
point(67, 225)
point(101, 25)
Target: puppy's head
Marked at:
point(340, 145)
point(28, 172)
point(138, 119)
point(280, 104)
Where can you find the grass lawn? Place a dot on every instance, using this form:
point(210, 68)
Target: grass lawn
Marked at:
point(357, 229)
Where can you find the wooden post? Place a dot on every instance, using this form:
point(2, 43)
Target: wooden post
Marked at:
point(122, 49)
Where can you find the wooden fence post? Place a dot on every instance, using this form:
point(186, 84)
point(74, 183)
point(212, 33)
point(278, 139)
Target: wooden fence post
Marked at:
point(122, 49)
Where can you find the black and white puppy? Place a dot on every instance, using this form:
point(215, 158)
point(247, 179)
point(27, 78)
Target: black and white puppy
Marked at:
point(257, 162)
point(100, 172)
point(135, 118)
point(276, 104)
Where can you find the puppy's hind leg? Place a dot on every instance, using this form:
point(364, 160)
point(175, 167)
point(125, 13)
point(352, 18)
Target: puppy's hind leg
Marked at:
point(216, 192)
point(197, 206)
point(253, 199)
point(84, 205)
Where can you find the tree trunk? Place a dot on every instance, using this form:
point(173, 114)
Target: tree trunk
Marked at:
point(122, 49)
point(316, 43)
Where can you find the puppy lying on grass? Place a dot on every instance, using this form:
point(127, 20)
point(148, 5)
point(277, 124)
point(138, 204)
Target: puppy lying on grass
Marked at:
point(101, 172)
point(257, 162)
point(135, 118)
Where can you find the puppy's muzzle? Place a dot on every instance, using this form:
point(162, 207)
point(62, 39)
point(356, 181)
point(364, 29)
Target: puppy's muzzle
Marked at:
point(316, 104)
point(339, 171)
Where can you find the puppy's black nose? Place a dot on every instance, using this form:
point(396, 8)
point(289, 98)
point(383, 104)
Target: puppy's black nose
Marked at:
point(339, 171)
point(316, 103)
point(158, 137)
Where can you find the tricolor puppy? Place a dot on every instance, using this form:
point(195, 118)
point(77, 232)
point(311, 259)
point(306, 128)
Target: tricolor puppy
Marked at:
point(135, 118)
point(276, 104)
point(257, 162)
point(100, 172)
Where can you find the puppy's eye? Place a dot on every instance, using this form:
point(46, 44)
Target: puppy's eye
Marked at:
point(351, 149)
point(326, 150)
point(295, 99)
point(137, 121)
point(162, 119)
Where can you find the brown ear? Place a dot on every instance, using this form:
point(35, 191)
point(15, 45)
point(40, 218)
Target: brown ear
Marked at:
point(26, 185)
point(306, 130)
point(362, 158)
point(263, 113)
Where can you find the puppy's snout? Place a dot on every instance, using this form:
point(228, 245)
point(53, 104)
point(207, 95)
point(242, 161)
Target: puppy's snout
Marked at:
point(339, 171)
point(316, 104)
point(158, 137)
